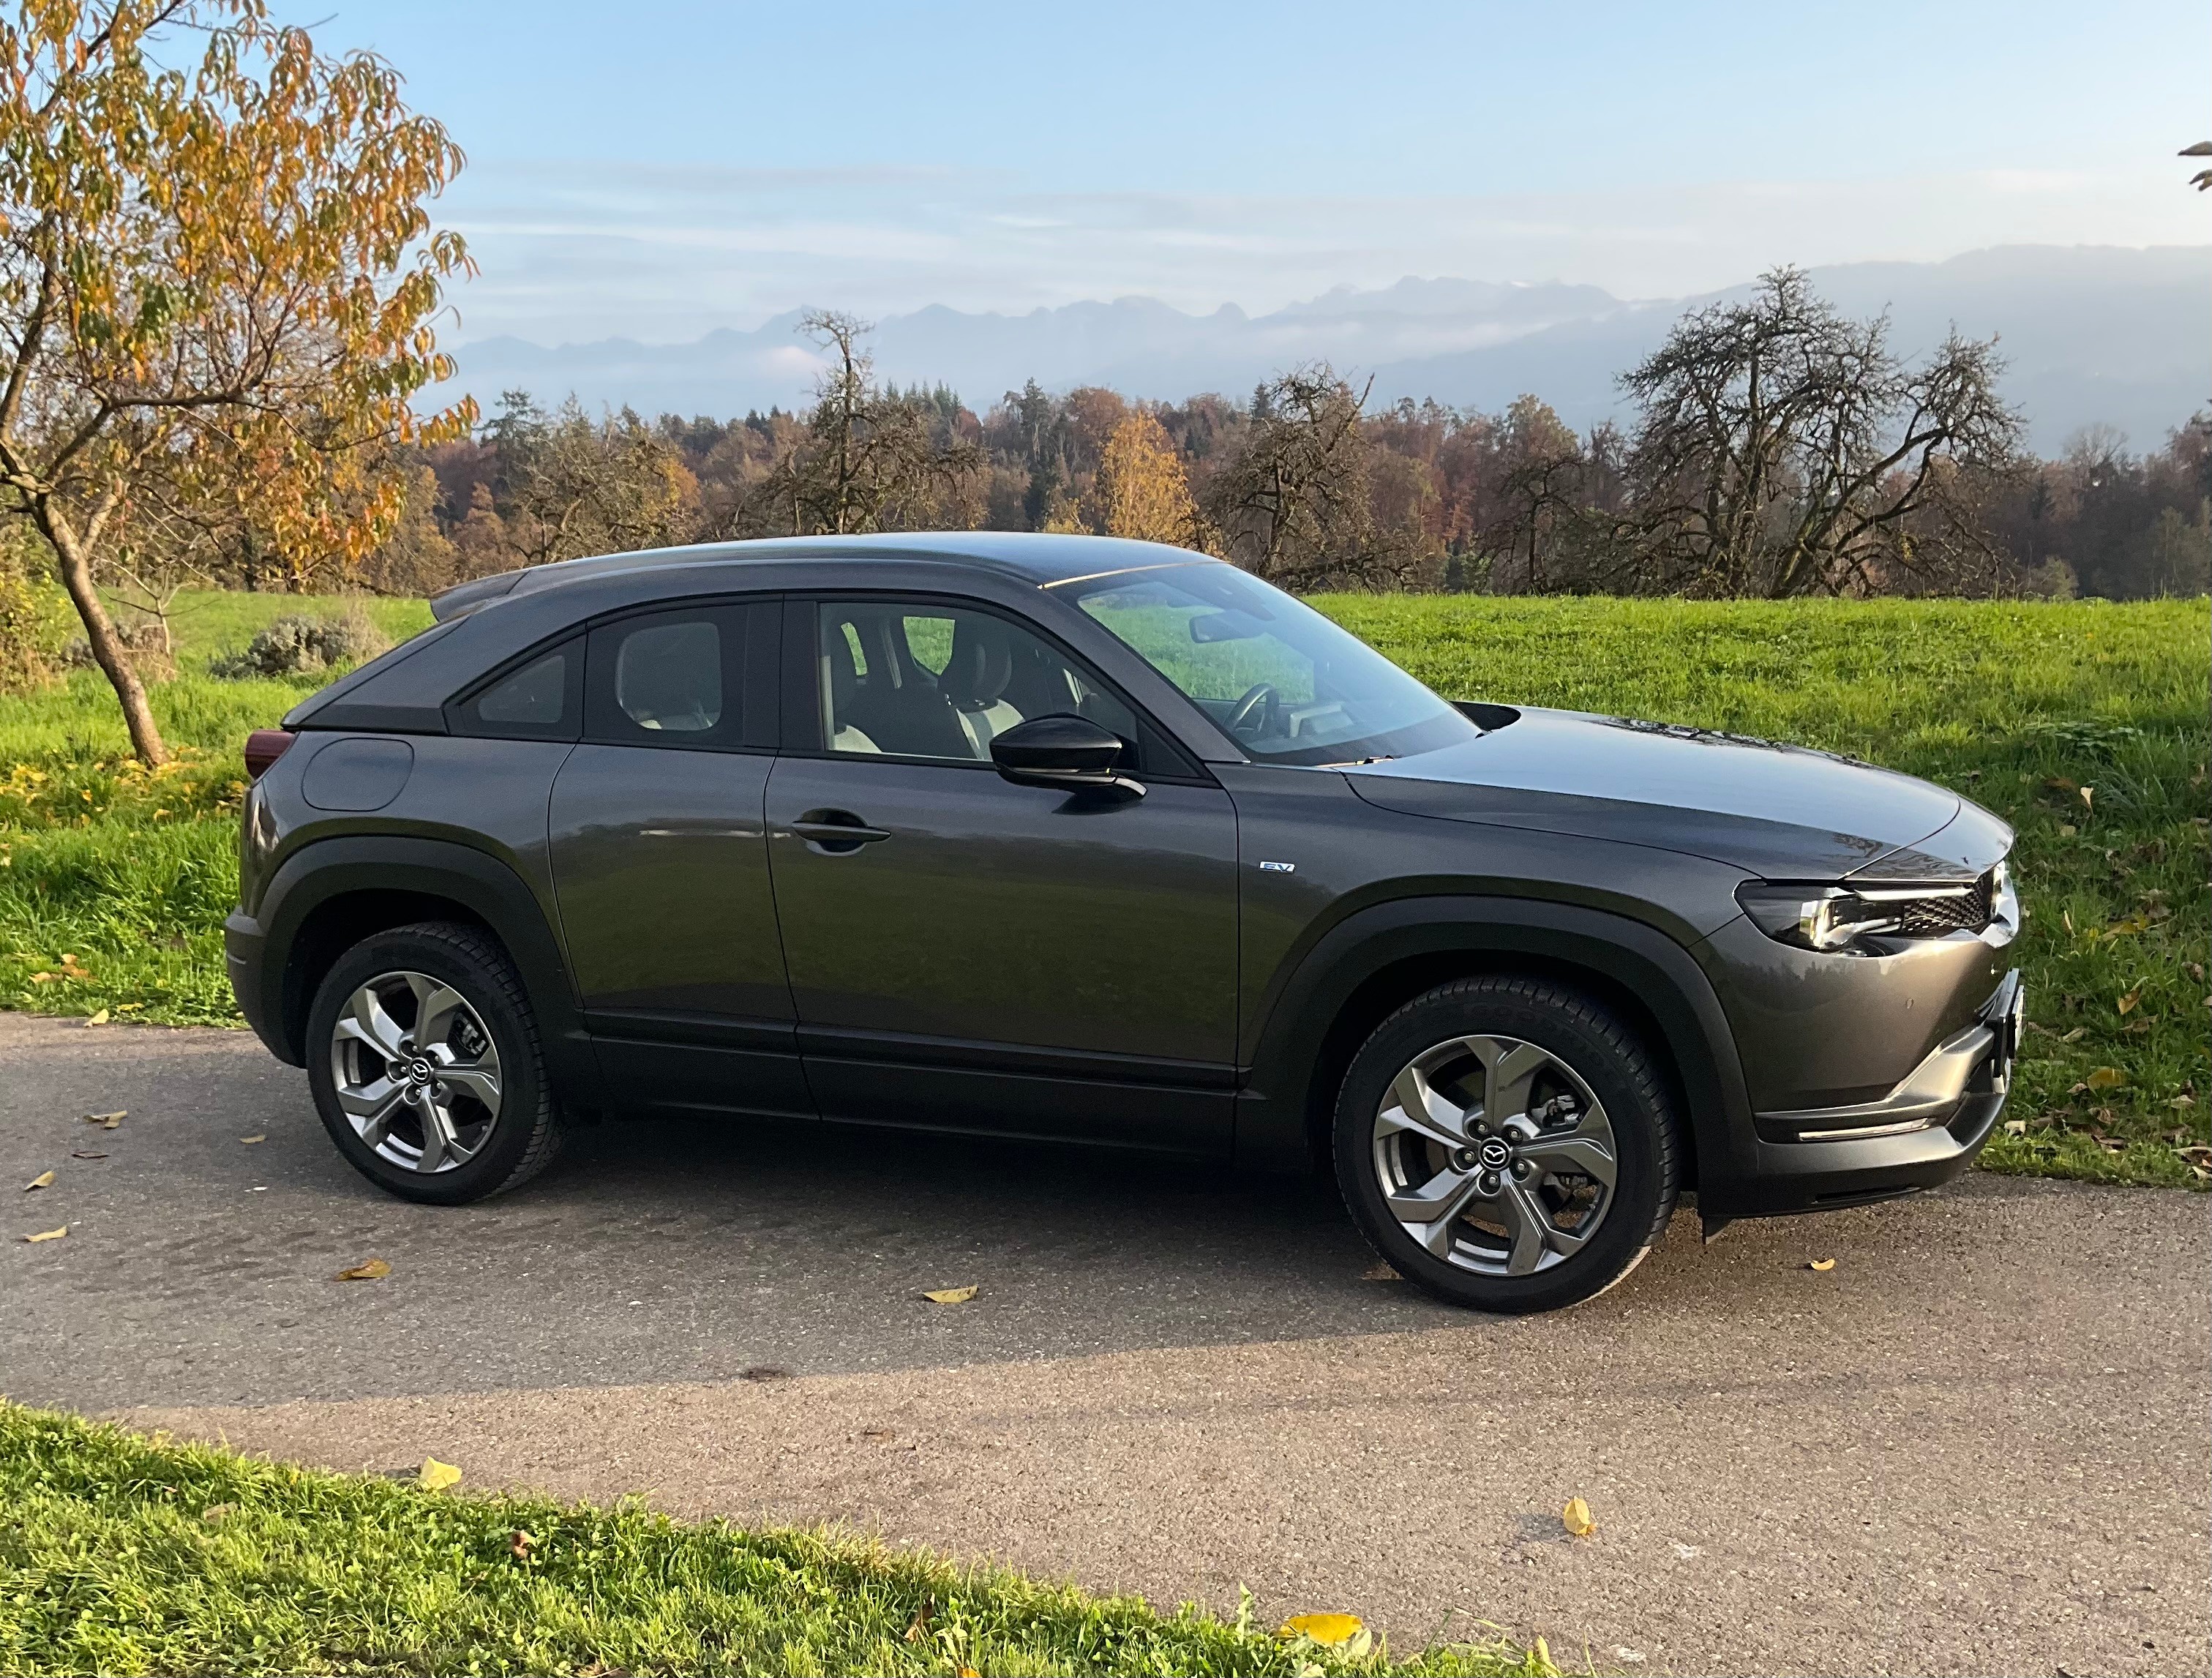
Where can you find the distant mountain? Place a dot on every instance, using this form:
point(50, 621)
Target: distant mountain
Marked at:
point(2093, 334)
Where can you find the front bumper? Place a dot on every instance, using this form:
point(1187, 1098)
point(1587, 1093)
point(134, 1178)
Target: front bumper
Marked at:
point(1923, 1132)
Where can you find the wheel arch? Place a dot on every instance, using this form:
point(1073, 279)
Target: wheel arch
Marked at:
point(1381, 957)
point(330, 895)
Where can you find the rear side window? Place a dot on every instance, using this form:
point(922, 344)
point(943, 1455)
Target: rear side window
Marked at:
point(540, 700)
point(688, 677)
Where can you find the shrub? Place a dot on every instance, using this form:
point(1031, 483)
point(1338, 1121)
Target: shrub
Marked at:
point(296, 645)
point(33, 626)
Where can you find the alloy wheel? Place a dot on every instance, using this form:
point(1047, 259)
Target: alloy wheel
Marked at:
point(1495, 1155)
point(416, 1072)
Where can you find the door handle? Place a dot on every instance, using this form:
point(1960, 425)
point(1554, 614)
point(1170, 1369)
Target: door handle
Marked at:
point(835, 832)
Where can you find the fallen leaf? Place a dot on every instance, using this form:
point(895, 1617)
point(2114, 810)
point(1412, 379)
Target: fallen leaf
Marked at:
point(48, 1235)
point(2066, 831)
point(1576, 1518)
point(436, 1476)
point(880, 1435)
point(2075, 1035)
point(2106, 1078)
point(1332, 1631)
point(918, 1627)
point(949, 1296)
point(1378, 1273)
point(1820, 1264)
point(107, 1121)
point(2089, 797)
point(2183, 1101)
point(2015, 1127)
point(216, 1512)
point(968, 1672)
point(2128, 1003)
point(80, 1154)
point(253, 1138)
point(375, 1271)
point(99, 1019)
point(43, 1180)
point(519, 1543)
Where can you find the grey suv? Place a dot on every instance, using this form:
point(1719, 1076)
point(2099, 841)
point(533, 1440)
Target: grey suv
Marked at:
point(1110, 844)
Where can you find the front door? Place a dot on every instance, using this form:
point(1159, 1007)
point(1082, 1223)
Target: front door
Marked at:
point(660, 862)
point(978, 955)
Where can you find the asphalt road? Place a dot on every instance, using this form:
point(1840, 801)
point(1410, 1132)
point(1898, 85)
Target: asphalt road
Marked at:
point(1978, 1444)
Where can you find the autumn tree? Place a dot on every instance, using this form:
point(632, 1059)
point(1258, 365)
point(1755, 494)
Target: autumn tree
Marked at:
point(215, 272)
point(1782, 449)
point(1142, 490)
point(576, 486)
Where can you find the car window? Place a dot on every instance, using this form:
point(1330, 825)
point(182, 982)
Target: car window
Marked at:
point(537, 702)
point(1284, 683)
point(896, 679)
point(668, 678)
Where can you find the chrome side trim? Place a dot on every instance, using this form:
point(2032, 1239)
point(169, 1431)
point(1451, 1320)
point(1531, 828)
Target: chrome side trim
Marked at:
point(1928, 1095)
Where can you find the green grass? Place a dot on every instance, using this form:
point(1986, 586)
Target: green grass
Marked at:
point(122, 1554)
point(2017, 706)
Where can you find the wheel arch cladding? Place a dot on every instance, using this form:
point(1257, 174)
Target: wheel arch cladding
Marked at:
point(331, 894)
point(1380, 958)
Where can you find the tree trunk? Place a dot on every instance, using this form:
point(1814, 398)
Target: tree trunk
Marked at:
point(107, 649)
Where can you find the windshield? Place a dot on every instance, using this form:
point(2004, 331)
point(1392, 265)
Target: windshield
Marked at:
point(1284, 683)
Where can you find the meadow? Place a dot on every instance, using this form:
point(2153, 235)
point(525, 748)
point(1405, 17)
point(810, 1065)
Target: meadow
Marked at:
point(2083, 724)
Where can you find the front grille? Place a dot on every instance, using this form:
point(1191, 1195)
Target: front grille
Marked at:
point(1932, 917)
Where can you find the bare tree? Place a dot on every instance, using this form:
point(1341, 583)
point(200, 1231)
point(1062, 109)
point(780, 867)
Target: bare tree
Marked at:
point(1783, 450)
point(575, 486)
point(866, 459)
point(1292, 505)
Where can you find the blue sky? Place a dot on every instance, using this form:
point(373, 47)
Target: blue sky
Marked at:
point(658, 169)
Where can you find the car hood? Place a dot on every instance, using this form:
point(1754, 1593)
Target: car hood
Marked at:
point(1780, 811)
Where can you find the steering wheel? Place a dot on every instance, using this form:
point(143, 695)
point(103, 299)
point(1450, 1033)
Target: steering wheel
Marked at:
point(1260, 697)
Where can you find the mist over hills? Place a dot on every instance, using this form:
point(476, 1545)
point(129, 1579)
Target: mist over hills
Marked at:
point(2093, 335)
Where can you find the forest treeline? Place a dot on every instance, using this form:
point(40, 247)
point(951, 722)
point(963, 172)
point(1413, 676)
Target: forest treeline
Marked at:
point(1776, 449)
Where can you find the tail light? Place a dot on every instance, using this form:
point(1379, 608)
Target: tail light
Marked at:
point(264, 746)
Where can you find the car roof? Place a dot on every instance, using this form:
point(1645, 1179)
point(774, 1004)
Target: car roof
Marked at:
point(1031, 557)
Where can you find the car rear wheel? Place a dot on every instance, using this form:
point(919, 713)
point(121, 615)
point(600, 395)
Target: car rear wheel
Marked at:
point(424, 1061)
point(1507, 1144)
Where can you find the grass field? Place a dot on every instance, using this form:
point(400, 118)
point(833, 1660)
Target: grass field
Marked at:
point(128, 1555)
point(2084, 725)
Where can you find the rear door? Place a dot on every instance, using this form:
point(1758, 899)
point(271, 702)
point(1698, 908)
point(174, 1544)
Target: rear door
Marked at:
point(982, 956)
point(661, 861)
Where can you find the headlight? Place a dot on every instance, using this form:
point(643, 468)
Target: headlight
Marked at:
point(1834, 918)
point(1816, 917)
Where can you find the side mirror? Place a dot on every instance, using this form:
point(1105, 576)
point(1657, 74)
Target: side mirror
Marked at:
point(1070, 753)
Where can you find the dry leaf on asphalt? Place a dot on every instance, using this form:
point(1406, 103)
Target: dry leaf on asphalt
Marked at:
point(375, 1271)
point(48, 1235)
point(949, 1296)
point(436, 1476)
point(81, 1153)
point(253, 1138)
point(1346, 1632)
point(99, 1019)
point(1576, 1518)
point(519, 1543)
point(1820, 1264)
point(43, 1180)
point(107, 1121)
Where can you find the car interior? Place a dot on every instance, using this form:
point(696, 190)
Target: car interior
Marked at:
point(912, 684)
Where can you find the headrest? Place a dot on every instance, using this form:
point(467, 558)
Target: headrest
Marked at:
point(982, 664)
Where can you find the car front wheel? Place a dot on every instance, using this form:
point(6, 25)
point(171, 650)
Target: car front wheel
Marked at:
point(1507, 1144)
point(424, 1058)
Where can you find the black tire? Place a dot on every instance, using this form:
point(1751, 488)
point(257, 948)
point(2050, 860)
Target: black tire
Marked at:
point(525, 1134)
point(1589, 1044)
